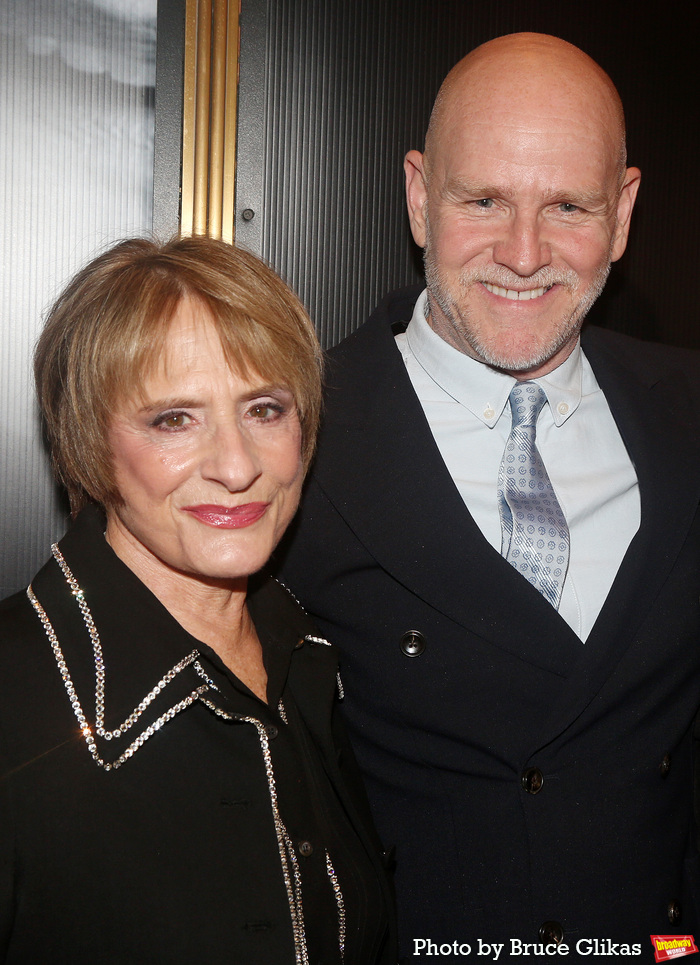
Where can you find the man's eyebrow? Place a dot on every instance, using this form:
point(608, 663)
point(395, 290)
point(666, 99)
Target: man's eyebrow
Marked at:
point(473, 189)
point(582, 197)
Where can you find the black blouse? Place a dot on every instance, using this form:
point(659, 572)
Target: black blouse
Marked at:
point(225, 829)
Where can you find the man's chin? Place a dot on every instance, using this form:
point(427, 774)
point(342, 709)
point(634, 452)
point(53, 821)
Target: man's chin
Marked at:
point(528, 359)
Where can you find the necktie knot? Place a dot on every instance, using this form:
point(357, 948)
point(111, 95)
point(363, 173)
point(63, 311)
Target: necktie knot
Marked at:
point(526, 401)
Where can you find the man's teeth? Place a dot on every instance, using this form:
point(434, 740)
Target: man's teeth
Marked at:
point(516, 295)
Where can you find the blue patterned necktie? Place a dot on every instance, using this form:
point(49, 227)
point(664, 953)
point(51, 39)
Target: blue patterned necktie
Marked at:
point(535, 535)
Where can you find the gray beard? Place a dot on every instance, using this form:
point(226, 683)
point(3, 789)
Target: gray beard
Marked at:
point(460, 320)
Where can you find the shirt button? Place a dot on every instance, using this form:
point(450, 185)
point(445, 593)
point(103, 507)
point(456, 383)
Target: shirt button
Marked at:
point(551, 932)
point(563, 408)
point(674, 912)
point(412, 643)
point(665, 765)
point(489, 413)
point(532, 780)
point(306, 848)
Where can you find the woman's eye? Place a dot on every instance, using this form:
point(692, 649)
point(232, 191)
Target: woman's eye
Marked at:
point(265, 411)
point(171, 420)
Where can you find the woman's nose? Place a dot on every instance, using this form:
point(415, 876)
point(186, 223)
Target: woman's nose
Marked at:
point(231, 458)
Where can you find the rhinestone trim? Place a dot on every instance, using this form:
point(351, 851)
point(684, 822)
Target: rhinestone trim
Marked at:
point(288, 859)
point(326, 643)
point(85, 728)
point(340, 901)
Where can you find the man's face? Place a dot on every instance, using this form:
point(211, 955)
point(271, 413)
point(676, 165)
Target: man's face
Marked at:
point(520, 218)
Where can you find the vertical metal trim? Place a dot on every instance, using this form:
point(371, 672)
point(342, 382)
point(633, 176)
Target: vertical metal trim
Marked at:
point(201, 118)
point(233, 48)
point(209, 121)
point(218, 112)
point(251, 139)
point(167, 154)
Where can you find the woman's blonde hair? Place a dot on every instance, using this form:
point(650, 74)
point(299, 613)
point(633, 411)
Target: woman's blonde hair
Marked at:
point(108, 330)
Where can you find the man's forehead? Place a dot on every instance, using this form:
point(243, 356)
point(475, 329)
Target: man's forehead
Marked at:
point(506, 145)
point(531, 88)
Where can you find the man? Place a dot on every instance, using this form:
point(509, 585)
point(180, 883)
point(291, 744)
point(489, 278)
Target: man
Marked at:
point(521, 666)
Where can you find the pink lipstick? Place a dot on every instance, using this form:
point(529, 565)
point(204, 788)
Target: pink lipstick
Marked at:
point(228, 517)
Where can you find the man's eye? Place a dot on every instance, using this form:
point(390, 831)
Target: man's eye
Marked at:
point(568, 208)
point(484, 203)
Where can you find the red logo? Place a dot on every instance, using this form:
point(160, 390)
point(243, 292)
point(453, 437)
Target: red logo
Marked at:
point(669, 947)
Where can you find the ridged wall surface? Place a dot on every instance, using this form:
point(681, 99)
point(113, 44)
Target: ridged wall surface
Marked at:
point(76, 161)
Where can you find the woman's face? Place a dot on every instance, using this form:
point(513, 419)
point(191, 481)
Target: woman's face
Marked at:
point(208, 464)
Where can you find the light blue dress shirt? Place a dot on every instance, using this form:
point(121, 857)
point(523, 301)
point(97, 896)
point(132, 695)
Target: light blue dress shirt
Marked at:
point(465, 403)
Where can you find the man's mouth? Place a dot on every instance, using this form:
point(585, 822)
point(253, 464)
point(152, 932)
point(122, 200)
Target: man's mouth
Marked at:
point(519, 296)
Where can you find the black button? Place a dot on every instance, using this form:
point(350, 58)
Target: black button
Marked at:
point(271, 731)
point(306, 848)
point(674, 911)
point(665, 765)
point(412, 643)
point(551, 932)
point(532, 781)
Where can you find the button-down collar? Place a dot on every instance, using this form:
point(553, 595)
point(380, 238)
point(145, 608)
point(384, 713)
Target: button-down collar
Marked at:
point(479, 387)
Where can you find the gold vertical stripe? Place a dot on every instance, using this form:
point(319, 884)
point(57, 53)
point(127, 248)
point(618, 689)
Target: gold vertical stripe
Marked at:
point(218, 110)
point(209, 118)
point(233, 46)
point(201, 124)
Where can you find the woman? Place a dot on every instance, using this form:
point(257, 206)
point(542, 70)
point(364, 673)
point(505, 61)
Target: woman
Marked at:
point(174, 783)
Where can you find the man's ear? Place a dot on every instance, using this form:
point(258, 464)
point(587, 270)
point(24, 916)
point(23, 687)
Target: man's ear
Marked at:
point(625, 203)
point(416, 194)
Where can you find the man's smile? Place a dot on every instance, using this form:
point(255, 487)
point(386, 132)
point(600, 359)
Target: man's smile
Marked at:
point(514, 294)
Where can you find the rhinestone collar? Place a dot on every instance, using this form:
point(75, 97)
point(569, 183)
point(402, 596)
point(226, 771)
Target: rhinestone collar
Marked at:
point(127, 724)
point(288, 859)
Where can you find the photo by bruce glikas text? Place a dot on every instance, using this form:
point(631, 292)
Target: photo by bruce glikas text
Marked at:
point(514, 948)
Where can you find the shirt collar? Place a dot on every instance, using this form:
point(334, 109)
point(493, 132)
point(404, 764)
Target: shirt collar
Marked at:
point(480, 388)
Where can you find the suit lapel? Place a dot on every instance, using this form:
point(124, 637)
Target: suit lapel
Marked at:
point(656, 423)
point(423, 535)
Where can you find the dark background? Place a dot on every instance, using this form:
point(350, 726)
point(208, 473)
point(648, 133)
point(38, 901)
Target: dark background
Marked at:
point(334, 93)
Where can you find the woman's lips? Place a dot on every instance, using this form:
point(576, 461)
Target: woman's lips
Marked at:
point(224, 517)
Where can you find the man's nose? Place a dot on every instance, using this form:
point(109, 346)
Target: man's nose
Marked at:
point(521, 247)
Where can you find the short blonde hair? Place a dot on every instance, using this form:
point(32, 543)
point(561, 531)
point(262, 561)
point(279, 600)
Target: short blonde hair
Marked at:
point(108, 329)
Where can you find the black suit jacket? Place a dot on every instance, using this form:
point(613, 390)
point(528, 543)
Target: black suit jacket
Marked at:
point(498, 698)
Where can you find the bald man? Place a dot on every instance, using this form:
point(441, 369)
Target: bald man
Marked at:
point(501, 532)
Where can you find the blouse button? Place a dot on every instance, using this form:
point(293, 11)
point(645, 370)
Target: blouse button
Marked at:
point(306, 848)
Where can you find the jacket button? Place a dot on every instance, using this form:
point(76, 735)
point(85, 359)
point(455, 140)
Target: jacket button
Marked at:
point(532, 781)
point(674, 912)
point(271, 731)
point(551, 932)
point(306, 848)
point(412, 643)
point(665, 765)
